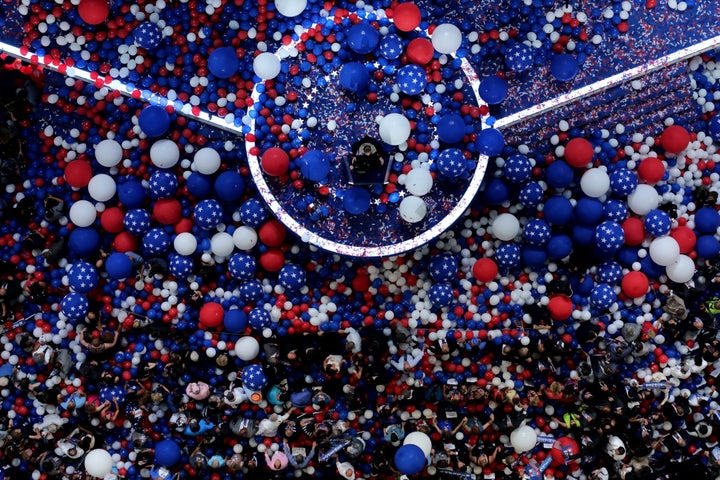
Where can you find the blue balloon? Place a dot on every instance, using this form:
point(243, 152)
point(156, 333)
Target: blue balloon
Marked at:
point(251, 291)
point(603, 296)
point(223, 62)
point(559, 246)
point(657, 223)
point(208, 213)
point(582, 285)
point(362, 38)
point(242, 266)
point(451, 128)
point(356, 200)
point(519, 57)
point(391, 46)
point(253, 213)
point(536, 232)
point(131, 194)
point(229, 186)
point(559, 174)
point(235, 320)
point(588, 211)
point(147, 35)
point(531, 194)
point(180, 266)
point(409, 459)
point(253, 377)
point(137, 221)
point(292, 277)
point(412, 79)
point(163, 184)
point(451, 163)
point(623, 181)
point(441, 295)
point(558, 210)
point(199, 185)
point(155, 241)
point(154, 121)
point(259, 319)
point(714, 127)
point(609, 236)
point(707, 246)
point(490, 142)
point(507, 255)
point(650, 268)
point(495, 192)
point(314, 165)
point(84, 242)
point(583, 235)
point(74, 306)
point(564, 67)
point(610, 272)
point(533, 256)
point(493, 89)
point(706, 220)
point(82, 277)
point(354, 77)
point(615, 210)
point(627, 255)
point(167, 453)
point(517, 168)
point(443, 267)
point(118, 266)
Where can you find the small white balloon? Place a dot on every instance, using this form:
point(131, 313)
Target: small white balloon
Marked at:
point(506, 227)
point(245, 238)
point(266, 65)
point(207, 161)
point(419, 181)
point(290, 8)
point(412, 209)
point(394, 129)
point(595, 182)
point(102, 187)
point(164, 153)
point(446, 38)
point(185, 243)
point(108, 153)
point(83, 213)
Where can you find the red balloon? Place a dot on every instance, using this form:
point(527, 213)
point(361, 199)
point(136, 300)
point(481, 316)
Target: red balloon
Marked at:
point(78, 173)
point(635, 284)
point(685, 237)
point(406, 17)
point(275, 161)
point(420, 51)
point(674, 139)
point(272, 260)
point(93, 12)
point(112, 220)
point(579, 152)
point(183, 225)
point(272, 233)
point(211, 314)
point(651, 170)
point(125, 242)
point(167, 211)
point(560, 307)
point(485, 270)
point(361, 283)
point(634, 230)
point(564, 450)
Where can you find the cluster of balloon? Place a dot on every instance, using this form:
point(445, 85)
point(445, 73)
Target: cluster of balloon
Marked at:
point(412, 456)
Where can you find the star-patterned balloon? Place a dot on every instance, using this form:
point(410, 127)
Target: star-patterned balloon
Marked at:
point(259, 319)
point(623, 181)
point(292, 277)
point(517, 168)
point(615, 210)
point(391, 46)
point(441, 295)
point(411, 79)
point(137, 221)
point(443, 267)
point(74, 306)
point(156, 241)
point(536, 232)
point(609, 272)
point(519, 57)
point(163, 184)
point(251, 290)
point(208, 213)
point(451, 163)
point(180, 266)
point(531, 194)
point(253, 377)
point(147, 35)
point(609, 236)
point(253, 213)
point(507, 255)
point(602, 296)
point(657, 223)
point(82, 277)
point(242, 266)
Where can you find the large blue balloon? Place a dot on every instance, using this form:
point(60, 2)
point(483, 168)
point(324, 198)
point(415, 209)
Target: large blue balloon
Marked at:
point(496, 192)
point(707, 220)
point(583, 235)
point(441, 295)
point(409, 459)
point(242, 266)
point(131, 194)
point(208, 213)
point(167, 453)
point(259, 319)
point(223, 62)
point(493, 89)
point(147, 35)
point(490, 142)
point(588, 211)
point(356, 200)
point(82, 277)
point(412, 79)
point(362, 38)
point(84, 241)
point(657, 223)
point(564, 67)
point(199, 185)
point(609, 236)
point(531, 194)
point(314, 165)
point(74, 306)
point(707, 246)
point(118, 266)
point(180, 266)
point(154, 121)
point(559, 174)
point(623, 181)
point(714, 127)
point(391, 46)
point(163, 184)
point(451, 128)
point(229, 186)
point(253, 377)
point(155, 241)
point(558, 210)
point(292, 277)
point(610, 272)
point(615, 210)
point(443, 267)
point(253, 213)
point(451, 163)
point(507, 255)
point(559, 246)
point(235, 320)
point(517, 168)
point(519, 57)
point(533, 256)
point(354, 77)
point(602, 296)
point(536, 232)
point(137, 221)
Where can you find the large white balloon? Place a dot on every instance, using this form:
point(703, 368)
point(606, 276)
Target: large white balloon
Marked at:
point(412, 209)
point(418, 181)
point(523, 439)
point(681, 270)
point(102, 187)
point(595, 182)
point(394, 129)
point(221, 244)
point(446, 38)
point(98, 462)
point(247, 348)
point(83, 213)
point(164, 153)
point(207, 161)
point(290, 8)
point(245, 238)
point(266, 65)
point(108, 153)
point(643, 199)
point(506, 227)
point(664, 250)
point(419, 439)
point(185, 243)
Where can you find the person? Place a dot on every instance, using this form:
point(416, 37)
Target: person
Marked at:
point(99, 342)
point(367, 162)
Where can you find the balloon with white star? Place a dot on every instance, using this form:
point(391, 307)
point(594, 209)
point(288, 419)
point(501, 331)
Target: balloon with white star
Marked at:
point(253, 213)
point(251, 291)
point(657, 223)
point(519, 57)
point(610, 272)
point(443, 267)
point(208, 213)
point(609, 236)
point(180, 266)
point(451, 163)
point(507, 255)
point(623, 181)
point(242, 266)
point(441, 295)
point(82, 277)
point(292, 277)
point(259, 319)
point(253, 377)
point(411, 79)
point(163, 184)
point(602, 296)
point(391, 46)
point(147, 35)
point(536, 232)
point(517, 168)
point(156, 241)
point(531, 194)
point(74, 306)
point(137, 221)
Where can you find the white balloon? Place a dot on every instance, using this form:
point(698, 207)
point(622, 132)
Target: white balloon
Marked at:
point(412, 209)
point(108, 153)
point(222, 245)
point(419, 439)
point(681, 270)
point(595, 182)
point(164, 153)
point(207, 161)
point(290, 8)
point(245, 238)
point(266, 65)
point(643, 199)
point(83, 213)
point(506, 227)
point(102, 187)
point(247, 348)
point(185, 243)
point(98, 462)
point(446, 38)
point(418, 181)
point(523, 438)
point(394, 129)
point(664, 250)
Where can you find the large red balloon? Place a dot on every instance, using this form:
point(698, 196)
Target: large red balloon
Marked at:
point(685, 237)
point(167, 211)
point(564, 450)
point(406, 16)
point(485, 270)
point(112, 220)
point(634, 231)
point(651, 170)
point(93, 12)
point(272, 260)
point(578, 152)
point(275, 161)
point(272, 233)
point(635, 284)
point(560, 307)
point(420, 51)
point(674, 139)
point(125, 242)
point(211, 314)
point(78, 173)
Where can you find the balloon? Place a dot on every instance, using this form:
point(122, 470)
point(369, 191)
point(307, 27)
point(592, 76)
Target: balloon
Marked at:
point(314, 165)
point(493, 90)
point(609, 236)
point(164, 153)
point(74, 305)
point(199, 185)
point(418, 181)
point(685, 237)
point(558, 210)
point(147, 35)
point(108, 153)
point(242, 266)
point(451, 163)
point(118, 266)
point(167, 453)
point(221, 244)
point(137, 221)
point(564, 450)
point(93, 12)
point(206, 161)
point(355, 77)
point(420, 51)
point(82, 277)
point(245, 238)
point(131, 194)
point(623, 181)
point(595, 182)
point(253, 377)
point(517, 168)
point(253, 213)
point(411, 79)
point(78, 173)
point(163, 184)
point(506, 227)
point(83, 213)
point(564, 67)
point(266, 66)
point(559, 174)
point(635, 284)
point(579, 152)
point(443, 267)
point(156, 241)
point(167, 211)
point(125, 242)
point(412, 209)
point(451, 128)
point(664, 250)
point(84, 241)
point(229, 186)
point(247, 348)
point(290, 8)
point(560, 307)
point(634, 231)
point(559, 246)
point(536, 232)
point(419, 439)
point(657, 223)
point(406, 16)
point(409, 459)
point(362, 38)
point(523, 439)
point(275, 161)
point(180, 266)
point(643, 199)
point(651, 170)
point(223, 62)
point(519, 57)
point(111, 220)
point(533, 256)
point(675, 139)
point(235, 321)
point(588, 211)
point(98, 462)
point(391, 46)
point(208, 213)
point(394, 129)
point(102, 187)
point(356, 200)
point(154, 121)
point(446, 38)
point(490, 142)
point(185, 243)
point(495, 192)
point(507, 255)
point(272, 233)
point(602, 296)
point(211, 314)
point(531, 194)
point(707, 220)
point(681, 270)
point(272, 260)
point(707, 246)
point(292, 277)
